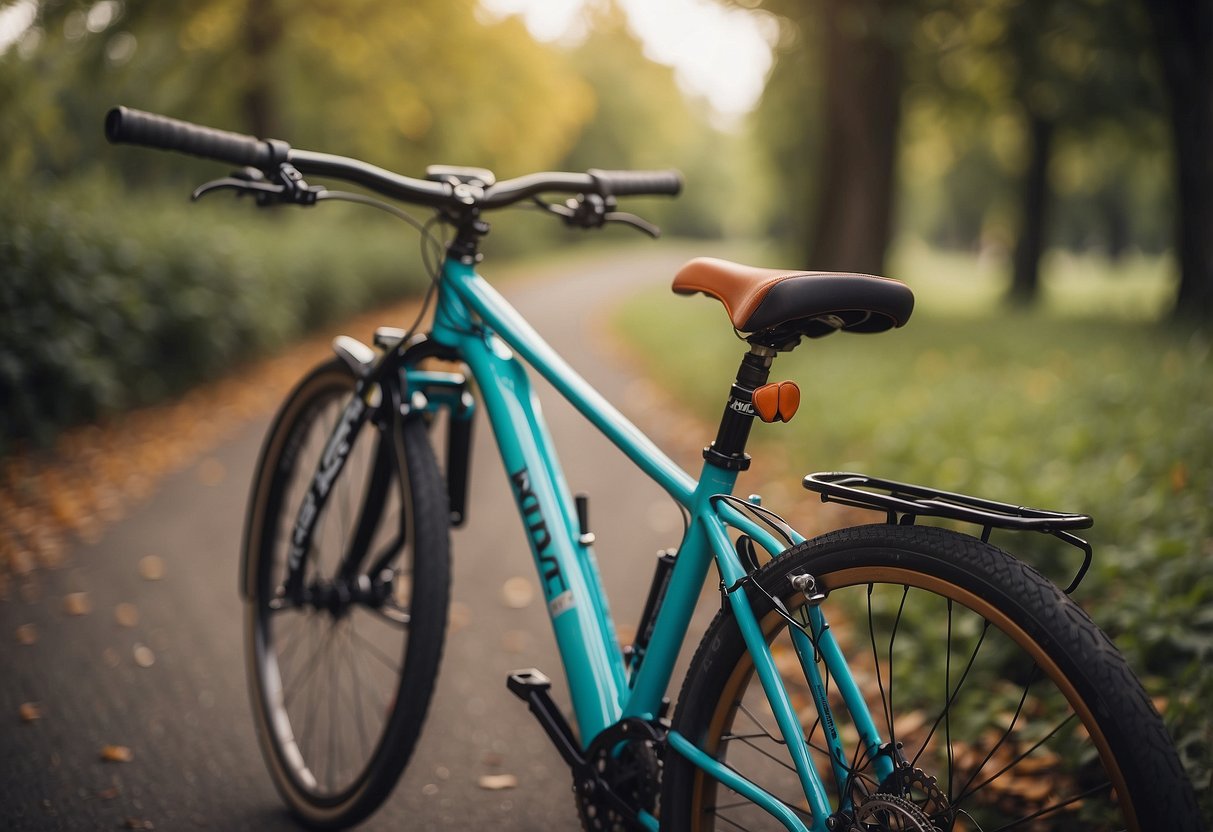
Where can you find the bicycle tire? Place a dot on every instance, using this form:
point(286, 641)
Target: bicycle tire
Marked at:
point(1073, 665)
point(323, 784)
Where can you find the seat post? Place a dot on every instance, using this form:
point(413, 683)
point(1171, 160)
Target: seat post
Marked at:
point(728, 450)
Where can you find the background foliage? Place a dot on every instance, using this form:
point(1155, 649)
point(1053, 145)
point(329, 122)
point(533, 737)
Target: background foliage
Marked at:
point(1026, 137)
point(1087, 407)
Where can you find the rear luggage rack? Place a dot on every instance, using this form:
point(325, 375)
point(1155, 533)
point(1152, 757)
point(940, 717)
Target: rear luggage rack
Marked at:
point(904, 503)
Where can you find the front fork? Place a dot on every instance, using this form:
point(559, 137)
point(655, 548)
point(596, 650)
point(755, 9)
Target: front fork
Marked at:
point(388, 390)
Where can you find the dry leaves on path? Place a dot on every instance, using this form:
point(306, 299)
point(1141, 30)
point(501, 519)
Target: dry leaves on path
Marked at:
point(126, 614)
point(77, 603)
point(116, 754)
point(517, 593)
point(144, 657)
point(151, 568)
point(497, 782)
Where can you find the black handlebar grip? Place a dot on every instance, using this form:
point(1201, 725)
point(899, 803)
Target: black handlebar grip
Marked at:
point(126, 126)
point(632, 182)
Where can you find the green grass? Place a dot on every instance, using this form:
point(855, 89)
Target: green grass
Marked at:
point(1091, 405)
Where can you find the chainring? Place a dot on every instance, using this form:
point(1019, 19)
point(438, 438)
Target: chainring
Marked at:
point(633, 775)
point(882, 812)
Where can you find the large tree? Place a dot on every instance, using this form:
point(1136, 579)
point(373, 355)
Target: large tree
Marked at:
point(831, 117)
point(861, 57)
point(1184, 31)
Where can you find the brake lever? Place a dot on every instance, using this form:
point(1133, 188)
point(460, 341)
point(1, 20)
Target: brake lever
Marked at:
point(583, 213)
point(263, 190)
point(634, 221)
point(290, 186)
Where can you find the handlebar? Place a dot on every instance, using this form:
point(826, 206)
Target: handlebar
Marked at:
point(124, 125)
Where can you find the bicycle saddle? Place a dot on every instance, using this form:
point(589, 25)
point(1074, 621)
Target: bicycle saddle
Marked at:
point(778, 305)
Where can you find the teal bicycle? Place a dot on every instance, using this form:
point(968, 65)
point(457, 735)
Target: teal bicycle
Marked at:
point(897, 676)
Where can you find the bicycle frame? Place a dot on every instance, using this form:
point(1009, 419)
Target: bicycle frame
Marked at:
point(472, 319)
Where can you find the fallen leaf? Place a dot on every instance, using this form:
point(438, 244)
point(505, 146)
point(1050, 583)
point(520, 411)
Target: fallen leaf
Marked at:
point(30, 711)
point(459, 616)
point(497, 782)
point(77, 603)
point(152, 568)
point(515, 641)
point(139, 823)
point(116, 754)
point(21, 562)
point(127, 615)
point(144, 657)
point(211, 472)
point(27, 634)
point(108, 794)
point(517, 593)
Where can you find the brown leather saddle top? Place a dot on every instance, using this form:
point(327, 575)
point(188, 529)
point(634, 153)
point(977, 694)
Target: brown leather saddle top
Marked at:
point(798, 302)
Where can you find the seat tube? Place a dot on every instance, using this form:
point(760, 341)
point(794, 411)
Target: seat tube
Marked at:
point(728, 449)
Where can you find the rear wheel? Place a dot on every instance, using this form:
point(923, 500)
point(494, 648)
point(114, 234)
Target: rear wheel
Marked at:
point(341, 673)
point(1008, 708)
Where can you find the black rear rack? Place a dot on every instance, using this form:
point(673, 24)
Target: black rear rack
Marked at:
point(904, 503)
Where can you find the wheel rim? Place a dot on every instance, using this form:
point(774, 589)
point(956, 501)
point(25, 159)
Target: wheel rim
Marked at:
point(328, 678)
point(1012, 777)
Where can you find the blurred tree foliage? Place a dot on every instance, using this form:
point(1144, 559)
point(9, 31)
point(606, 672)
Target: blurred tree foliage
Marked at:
point(657, 128)
point(400, 85)
point(99, 271)
point(1070, 81)
point(1019, 124)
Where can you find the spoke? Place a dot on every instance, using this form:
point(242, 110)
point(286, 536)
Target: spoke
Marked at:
point(371, 648)
point(716, 810)
point(876, 659)
point(729, 821)
point(947, 711)
point(1057, 806)
point(1005, 734)
point(769, 756)
point(306, 731)
point(301, 624)
point(310, 666)
point(905, 591)
point(947, 707)
point(358, 688)
point(964, 795)
point(330, 764)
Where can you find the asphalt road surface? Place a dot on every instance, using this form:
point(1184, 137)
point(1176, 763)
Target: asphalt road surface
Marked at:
point(185, 717)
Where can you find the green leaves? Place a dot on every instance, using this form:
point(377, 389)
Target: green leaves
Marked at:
point(104, 307)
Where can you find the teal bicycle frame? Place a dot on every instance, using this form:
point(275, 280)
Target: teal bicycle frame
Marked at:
point(472, 319)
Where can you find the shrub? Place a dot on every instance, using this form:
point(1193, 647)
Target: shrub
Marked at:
point(110, 300)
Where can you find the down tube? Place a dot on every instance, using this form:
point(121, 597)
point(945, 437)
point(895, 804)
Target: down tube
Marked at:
point(592, 660)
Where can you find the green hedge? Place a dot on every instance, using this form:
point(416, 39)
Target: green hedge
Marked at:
point(111, 299)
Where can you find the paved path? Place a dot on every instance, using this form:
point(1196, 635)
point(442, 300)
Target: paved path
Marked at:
point(186, 718)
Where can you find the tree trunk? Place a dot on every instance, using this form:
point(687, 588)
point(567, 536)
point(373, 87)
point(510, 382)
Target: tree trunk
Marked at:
point(263, 31)
point(862, 113)
point(1025, 266)
point(1184, 29)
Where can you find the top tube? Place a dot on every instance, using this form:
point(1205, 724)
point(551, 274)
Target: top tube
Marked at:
point(465, 294)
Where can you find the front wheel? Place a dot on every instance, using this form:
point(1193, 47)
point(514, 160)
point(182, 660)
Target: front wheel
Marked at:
point(1003, 704)
point(341, 670)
